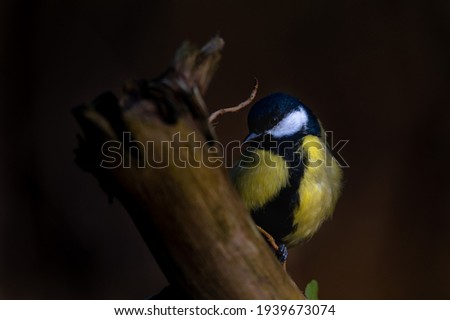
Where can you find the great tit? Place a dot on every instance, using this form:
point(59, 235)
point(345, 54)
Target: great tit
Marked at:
point(287, 176)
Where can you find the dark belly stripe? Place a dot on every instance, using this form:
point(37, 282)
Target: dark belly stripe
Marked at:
point(276, 217)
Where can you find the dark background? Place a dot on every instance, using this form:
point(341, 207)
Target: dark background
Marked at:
point(376, 73)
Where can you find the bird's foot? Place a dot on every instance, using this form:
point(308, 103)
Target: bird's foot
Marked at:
point(282, 253)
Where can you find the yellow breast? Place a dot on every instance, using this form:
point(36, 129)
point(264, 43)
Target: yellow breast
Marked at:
point(318, 192)
point(259, 177)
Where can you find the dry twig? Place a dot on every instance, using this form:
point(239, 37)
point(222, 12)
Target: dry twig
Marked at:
point(240, 106)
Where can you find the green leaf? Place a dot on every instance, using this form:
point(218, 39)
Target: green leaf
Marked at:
point(312, 290)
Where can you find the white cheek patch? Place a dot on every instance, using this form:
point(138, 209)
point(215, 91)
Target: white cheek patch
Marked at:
point(291, 124)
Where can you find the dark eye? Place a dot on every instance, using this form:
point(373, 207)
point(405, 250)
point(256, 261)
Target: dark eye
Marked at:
point(273, 121)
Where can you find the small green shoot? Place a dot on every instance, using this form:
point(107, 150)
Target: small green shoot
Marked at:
point(312, 290)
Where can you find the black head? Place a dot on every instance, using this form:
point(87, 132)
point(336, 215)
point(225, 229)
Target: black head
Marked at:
point(283, 117)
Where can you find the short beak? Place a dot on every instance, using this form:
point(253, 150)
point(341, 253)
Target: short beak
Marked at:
point(250, 137)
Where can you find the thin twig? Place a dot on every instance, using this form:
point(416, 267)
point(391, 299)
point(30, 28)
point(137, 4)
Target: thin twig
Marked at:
point(271, 241)
point(240, 106)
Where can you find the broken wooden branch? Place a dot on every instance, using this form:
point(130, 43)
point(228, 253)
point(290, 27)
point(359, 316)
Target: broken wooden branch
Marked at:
point(155, 151)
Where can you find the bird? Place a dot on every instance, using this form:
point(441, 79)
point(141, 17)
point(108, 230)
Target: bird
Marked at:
point(287, 176)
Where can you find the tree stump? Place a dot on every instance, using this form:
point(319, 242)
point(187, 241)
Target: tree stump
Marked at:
point(154, 150)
